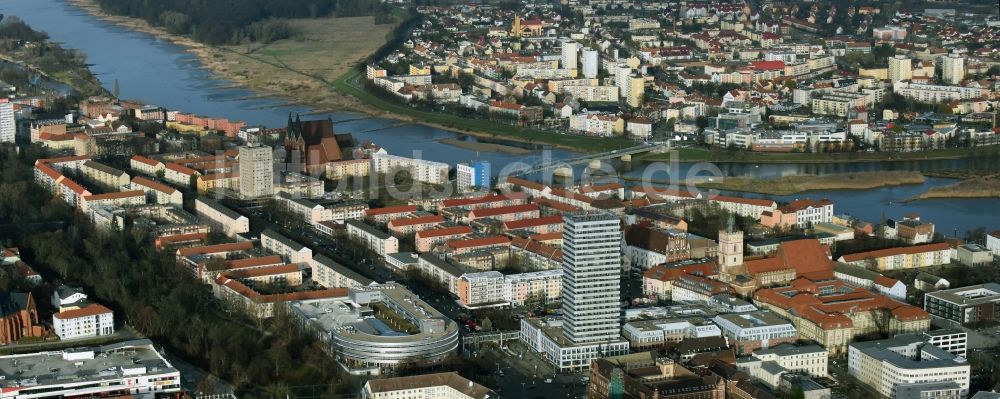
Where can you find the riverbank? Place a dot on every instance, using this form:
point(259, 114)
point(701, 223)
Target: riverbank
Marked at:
point(47, 59)
point(787, 185)
point(720, 155)
point(986, 186)
point(485, 147)
point(270, 70)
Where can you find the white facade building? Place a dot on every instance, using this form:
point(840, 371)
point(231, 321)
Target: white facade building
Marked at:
point(89, 320)
point(8, 125)
point(289, 250)
point(256, 172)
point(569, 51)
point(891, 365)
point(419, 169)
point(590, 63)
point(136, 369)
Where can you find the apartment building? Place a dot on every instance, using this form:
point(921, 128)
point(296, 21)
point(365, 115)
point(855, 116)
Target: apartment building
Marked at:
point(799, 213)
point(87, 320)
point(410, 225)
point(931, 93)
point(156, 192)
point(310, 212)
point(917, 256)
point(746, 207)
point(418, 169)
point(505, 213)
point(146, 166)
point(222, 219)
point(8, 125)
point(598, 124)
point(425, 240)
point(179, 175)
point(331, 274)
point(122, 198)
point(288, 249)
point(384, 215)
point(485, 201)
point(481, 289)
point(105, 176)
point(376, 240)
point(592, 93)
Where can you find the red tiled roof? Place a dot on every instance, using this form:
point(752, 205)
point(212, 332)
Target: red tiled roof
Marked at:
point(536, 247)
point(217, 248)
point(916, 249)
point(533, 222)
point(172, 239)
point(76, 187)
point(453, 202)
point(503, 210)
point(802, 204)
point(48, 171)
point(416, 220)
point(769, 65)
point(184, 170)
point(525, 183)
point(254, 262)
point(145, 160)
point(444, 231)
point(93, 309)
point(479, 242)
point(559, 206)
point(155, 185)
point(555, 235)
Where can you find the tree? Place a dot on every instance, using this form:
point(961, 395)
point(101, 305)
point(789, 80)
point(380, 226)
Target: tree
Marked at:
point(116, 91)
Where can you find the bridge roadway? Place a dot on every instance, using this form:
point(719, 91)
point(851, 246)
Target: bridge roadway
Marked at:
point(645, 147)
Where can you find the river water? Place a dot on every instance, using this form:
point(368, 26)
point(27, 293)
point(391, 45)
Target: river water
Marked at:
point(159, 72)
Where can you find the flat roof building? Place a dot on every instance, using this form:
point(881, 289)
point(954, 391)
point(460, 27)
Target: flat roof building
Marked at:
point(131, 368)
point(975, 303)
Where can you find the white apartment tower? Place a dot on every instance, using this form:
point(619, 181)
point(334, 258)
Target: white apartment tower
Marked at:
point(569, 52)
point(591, 271)
point(8, 126)
point(622, 74)
point(256, 172)
point(590, 63)
point(900, 68)
point(952, 68)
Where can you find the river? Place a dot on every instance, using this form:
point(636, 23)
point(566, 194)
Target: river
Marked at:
point(159, 72)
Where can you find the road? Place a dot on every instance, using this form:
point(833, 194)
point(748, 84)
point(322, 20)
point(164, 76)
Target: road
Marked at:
point(522, 374)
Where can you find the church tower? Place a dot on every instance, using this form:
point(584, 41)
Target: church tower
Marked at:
point(516, 29)
point(730, 248)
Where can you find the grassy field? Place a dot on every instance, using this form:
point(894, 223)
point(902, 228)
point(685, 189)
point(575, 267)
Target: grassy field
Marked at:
point(796, 184)
point(719, 155)
point(301, 67)
point(987, 186)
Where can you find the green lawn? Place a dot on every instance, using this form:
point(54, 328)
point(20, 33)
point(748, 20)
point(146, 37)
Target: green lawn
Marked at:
point(580, 143)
